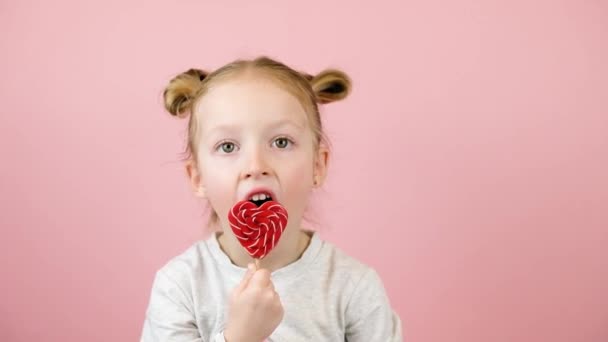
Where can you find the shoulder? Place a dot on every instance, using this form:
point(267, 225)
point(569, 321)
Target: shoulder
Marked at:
point(355, 273)
point(189, 258)
point(181, 269)
point(366, 301)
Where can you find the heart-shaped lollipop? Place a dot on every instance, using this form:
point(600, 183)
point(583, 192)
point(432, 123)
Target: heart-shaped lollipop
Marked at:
point(258, 229)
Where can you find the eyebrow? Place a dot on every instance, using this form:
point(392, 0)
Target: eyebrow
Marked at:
point(286, 123)
point(232, 128)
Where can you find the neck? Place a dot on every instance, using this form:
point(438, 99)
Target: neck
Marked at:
point(290, 248)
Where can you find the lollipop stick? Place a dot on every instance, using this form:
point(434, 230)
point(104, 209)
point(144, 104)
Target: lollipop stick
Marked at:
point(257, 263)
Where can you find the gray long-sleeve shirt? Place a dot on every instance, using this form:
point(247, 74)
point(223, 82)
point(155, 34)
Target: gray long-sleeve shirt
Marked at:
point(326, 296)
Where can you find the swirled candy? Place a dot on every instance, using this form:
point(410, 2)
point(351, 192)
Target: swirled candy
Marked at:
point(258, 229)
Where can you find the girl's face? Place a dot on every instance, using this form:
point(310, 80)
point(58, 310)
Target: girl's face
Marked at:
point(255, 138)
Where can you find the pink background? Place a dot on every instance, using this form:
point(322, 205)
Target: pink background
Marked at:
point(470, 164)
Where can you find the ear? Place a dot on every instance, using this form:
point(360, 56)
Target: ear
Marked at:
point(330, 85)
point(320, 166)
point(195, 178)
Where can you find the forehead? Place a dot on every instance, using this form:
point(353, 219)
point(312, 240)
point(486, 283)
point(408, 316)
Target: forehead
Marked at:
point(248, 101)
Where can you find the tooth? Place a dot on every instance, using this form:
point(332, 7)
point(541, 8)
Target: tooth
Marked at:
point(256, 197)
point(262, 197)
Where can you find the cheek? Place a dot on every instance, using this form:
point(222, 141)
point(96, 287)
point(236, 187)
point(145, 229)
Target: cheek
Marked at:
point(297, 176)
point(218, 184)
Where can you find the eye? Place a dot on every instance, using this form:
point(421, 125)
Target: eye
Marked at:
point(282, 142)
point(227, 147)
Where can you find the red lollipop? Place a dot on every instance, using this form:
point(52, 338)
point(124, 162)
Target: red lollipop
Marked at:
point(258, 229)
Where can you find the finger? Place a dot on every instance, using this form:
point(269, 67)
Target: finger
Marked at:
point(271, 286)
point(261, 278)
point(246, 278)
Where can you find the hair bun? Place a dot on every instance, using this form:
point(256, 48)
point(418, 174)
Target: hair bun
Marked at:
point(330, 85)
point(181, 90)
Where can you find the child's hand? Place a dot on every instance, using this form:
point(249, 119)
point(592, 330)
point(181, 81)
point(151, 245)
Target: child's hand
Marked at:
point(255, 308)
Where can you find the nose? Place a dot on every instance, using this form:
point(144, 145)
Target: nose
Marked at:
point(256, 165)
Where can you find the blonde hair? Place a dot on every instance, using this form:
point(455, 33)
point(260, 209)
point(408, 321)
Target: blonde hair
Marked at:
point(185, 89)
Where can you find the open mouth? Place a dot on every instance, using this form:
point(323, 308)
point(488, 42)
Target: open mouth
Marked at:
point(259, 199)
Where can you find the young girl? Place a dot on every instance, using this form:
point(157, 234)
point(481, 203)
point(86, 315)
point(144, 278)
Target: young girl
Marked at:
point(255, 133)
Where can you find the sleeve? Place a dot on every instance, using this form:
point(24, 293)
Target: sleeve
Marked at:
point(369, 316)
point(169, 316)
